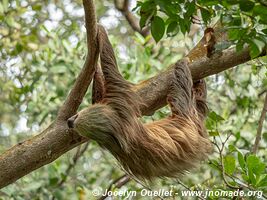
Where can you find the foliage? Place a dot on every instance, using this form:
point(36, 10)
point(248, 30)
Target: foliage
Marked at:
point(245, 21)
point(41, 53)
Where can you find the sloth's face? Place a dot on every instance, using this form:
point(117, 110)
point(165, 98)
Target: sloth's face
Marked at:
point(95, 122)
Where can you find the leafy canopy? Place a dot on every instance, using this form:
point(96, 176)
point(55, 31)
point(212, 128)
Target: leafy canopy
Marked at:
point(245, 21)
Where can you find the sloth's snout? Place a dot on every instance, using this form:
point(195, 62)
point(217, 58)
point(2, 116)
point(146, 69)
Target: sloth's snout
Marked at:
point(71, 121)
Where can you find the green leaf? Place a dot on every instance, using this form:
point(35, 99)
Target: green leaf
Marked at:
point(53, 181)
point(241, 160)
point(239, 46)
point(171, 10)
point(263, 19)
point(256, 47)
point(245, 177)
point(172, 29)
point(252, 177)
point(259, 9)
point(229, 164)
point(144, 20)
point(232, 148)
point(215, 117)
point(214, 133)
point(237, 21)
point(246, 5)
point(19, 48)
point(262, 181)
point(206, 14)
point(233, 34)
point(184, 25)
point(37, 7)
point(190, 8)
point(147, 10)
point(236, 34)
point(243, 102)
point(254, 69)
point(157, 28)
point(255, 165)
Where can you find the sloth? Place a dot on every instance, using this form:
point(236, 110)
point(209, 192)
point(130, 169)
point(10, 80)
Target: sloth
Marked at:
point(165, 148)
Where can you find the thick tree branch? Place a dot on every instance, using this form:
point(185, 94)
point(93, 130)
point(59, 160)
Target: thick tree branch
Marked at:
point(259, 130)
point(154, 90)
point(37, 151)
point(83, 81)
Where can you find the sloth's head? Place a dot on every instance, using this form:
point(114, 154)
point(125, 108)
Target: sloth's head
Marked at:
point(96, 122)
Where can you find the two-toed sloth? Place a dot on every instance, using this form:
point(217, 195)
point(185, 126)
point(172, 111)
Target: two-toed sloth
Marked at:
point(163, 148)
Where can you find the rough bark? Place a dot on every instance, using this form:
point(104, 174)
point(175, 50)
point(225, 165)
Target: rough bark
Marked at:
point(154, 90)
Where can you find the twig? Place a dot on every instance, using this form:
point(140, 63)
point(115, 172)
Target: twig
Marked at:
point(146, 187)
point(132, 20)
point(82, 82)
point(220, 149)
point(262, 92)
point(259, 130)
point(118, 183)
point(238, 181)
point(80, 151)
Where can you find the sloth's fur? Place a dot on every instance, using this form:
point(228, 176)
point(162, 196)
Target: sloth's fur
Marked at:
point(164, 148)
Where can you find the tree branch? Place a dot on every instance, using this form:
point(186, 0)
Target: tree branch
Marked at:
point(132, 20)
point(118, 183)
point(84, 79)
point(79, 153)
point(154, 90)
point(259, 130)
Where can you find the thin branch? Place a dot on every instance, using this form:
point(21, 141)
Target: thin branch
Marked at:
point(90, 24)
point(262, 92)
point(220, 149)
point(118, 183)
point(148, 188)
point(132, 20)
point(80, 151)
point(259, 130)
point(83, 81)
point(238, 181)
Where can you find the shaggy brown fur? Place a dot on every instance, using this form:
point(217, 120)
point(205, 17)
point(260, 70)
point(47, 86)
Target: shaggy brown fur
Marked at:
point(164, 148)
